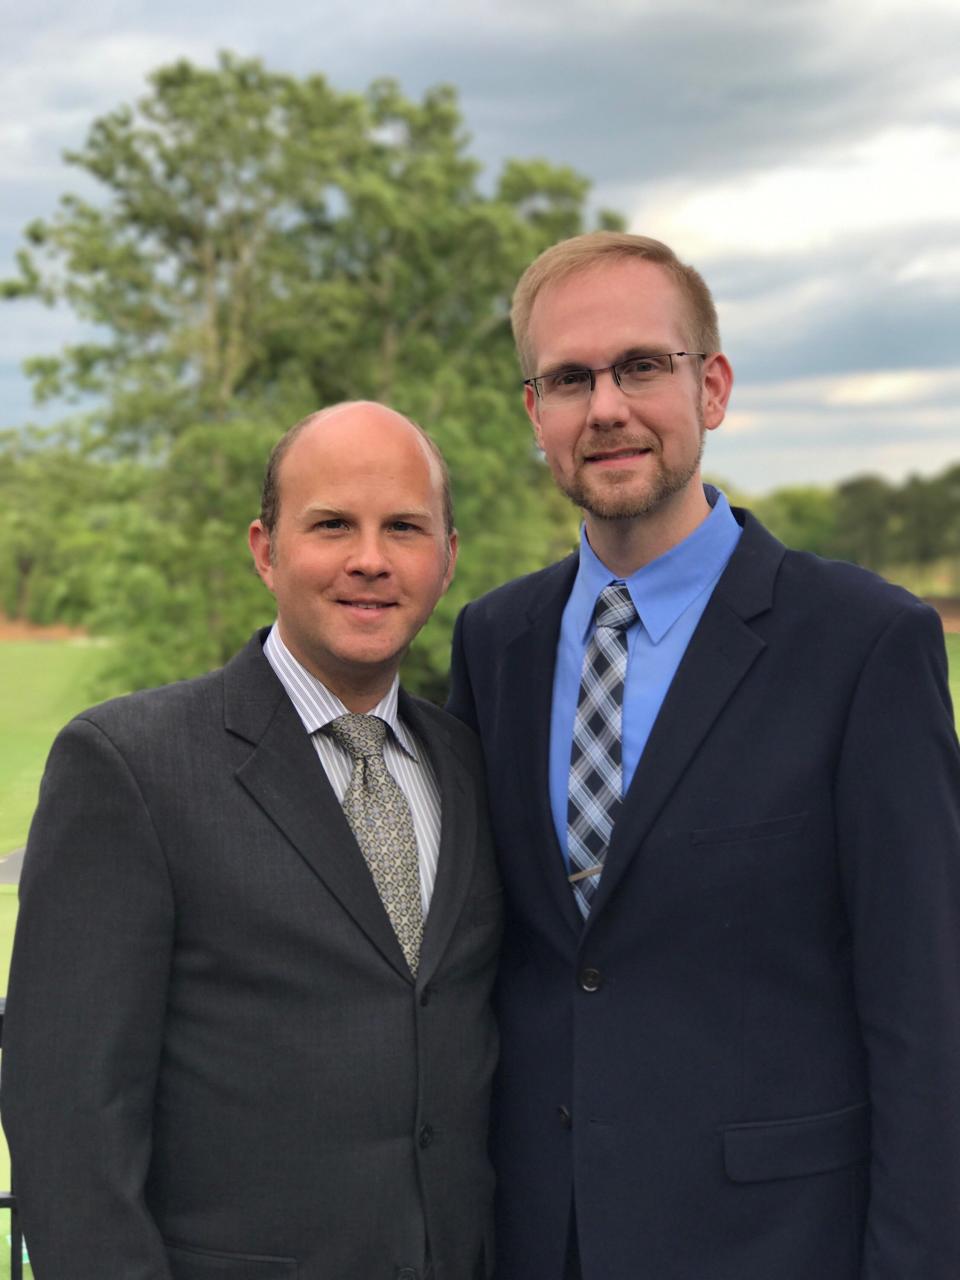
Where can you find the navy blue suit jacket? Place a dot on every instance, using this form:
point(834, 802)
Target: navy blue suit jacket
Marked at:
point(746, 1065)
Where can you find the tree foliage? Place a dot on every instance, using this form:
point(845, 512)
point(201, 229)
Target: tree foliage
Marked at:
point(56, 507)
point(904, 530)
point(264, 245)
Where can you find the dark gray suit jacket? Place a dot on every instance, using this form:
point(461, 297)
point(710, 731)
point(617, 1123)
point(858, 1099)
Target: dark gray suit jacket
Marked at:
point(216, 1062)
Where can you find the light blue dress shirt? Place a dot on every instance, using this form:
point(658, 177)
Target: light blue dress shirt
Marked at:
point(670, 595)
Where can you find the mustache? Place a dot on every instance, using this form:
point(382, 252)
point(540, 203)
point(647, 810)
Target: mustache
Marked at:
point(622, 444)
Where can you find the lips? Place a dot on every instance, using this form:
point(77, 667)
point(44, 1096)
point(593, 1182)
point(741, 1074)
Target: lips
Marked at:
point(371, 606)
point(616, 455)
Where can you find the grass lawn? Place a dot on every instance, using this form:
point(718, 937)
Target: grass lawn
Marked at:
point(953, 653)
point(44, 683)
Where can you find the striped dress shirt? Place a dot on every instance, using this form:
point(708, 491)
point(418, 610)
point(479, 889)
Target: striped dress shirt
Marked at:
point(403, 753)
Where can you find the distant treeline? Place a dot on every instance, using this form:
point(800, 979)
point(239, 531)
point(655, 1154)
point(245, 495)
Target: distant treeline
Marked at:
point(910, 532)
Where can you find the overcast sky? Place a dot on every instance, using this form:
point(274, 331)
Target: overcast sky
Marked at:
point(804, 155)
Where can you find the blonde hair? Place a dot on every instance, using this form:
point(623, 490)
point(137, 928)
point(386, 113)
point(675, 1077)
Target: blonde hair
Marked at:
point(580, 252)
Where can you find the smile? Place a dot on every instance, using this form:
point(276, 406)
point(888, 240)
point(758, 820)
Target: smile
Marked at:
point(616, 455)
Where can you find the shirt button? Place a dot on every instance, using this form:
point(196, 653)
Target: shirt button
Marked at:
point(590, 979)
point(566, 1119)
point(425, 1136)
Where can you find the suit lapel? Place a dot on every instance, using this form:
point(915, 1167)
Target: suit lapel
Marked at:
point(721, 652)
point(284, 776)
point(458, 835)
point(529, 663)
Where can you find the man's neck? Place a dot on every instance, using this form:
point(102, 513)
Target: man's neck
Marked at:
point(626, 545)
point(358, 687)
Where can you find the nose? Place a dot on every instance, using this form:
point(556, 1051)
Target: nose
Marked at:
point(608, 406)
point(368, 555)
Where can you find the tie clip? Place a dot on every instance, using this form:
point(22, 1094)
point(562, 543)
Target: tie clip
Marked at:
point(582, 875)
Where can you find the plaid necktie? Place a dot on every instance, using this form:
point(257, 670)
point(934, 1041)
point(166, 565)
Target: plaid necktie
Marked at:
point(596, 774)
point(380, 818)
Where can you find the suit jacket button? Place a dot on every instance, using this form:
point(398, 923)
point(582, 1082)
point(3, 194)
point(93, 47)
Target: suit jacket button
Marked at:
point(426, 1135)
point(590, 979)
point(406, 1273)
point(566, 1119)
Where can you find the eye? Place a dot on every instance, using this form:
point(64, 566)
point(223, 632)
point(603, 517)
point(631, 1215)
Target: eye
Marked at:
point(332, 523)
point(639, 368)
point(566, 381)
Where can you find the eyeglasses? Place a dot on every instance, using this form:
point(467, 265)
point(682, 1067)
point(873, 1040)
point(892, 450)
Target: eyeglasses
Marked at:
point(573, 384)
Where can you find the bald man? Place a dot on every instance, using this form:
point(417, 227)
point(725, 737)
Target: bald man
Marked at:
point(248, 1032)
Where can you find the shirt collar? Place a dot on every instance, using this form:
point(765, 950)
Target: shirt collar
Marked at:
point(316, 705)
point(664, 588)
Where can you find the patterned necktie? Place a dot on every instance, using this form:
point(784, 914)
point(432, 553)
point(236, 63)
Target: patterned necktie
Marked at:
point(596, 773)
point(380, 818)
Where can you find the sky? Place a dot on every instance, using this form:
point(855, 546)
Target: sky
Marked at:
point(805, 156)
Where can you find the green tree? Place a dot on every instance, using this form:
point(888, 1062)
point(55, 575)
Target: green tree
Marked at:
point(265, 245)
point(927, 513)
point(803, 517)
point(56, 510)
point(866, 521)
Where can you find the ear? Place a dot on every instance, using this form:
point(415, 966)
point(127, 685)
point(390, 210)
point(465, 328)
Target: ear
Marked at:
point(531, 402)
point(454, 545)
point(259, 541)
point(715, 389)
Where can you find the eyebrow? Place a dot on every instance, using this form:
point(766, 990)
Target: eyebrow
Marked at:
point(628, 353)
point(319, 511)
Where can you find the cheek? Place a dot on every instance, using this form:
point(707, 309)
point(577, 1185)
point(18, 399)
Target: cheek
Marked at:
point(302, 574)
point(428, 579)
point(557, 445)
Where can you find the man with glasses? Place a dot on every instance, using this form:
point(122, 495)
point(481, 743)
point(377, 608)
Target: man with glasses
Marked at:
point(726, 792)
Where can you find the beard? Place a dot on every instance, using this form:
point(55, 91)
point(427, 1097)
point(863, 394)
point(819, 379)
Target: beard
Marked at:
point(619, 499)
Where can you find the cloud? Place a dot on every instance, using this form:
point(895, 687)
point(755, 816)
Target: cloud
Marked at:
point(905, 176)
point(57, 82)
point(771, 446)
point(823, 429)
point(62, 79)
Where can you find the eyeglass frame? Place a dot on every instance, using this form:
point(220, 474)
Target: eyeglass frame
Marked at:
point(611, 369)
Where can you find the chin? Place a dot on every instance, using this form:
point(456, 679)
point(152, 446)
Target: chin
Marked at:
point(617, 505)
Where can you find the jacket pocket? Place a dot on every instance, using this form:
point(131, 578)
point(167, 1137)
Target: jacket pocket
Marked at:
point(796, 1148)
point(188, 1263)
point(770, 829)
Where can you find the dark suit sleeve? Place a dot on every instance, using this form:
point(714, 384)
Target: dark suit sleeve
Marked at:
point(84, 1021)
point(898, 812)
point(461, 703)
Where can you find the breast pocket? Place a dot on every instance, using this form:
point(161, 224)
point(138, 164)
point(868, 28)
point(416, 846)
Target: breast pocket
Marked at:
point(769, 829)
point(188, 1263)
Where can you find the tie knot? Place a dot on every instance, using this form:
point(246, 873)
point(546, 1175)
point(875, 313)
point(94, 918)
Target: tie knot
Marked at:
point(362, 736)
point(615, 608)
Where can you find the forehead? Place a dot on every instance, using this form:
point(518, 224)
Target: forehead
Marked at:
point(364, 457)
point(601, 312)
